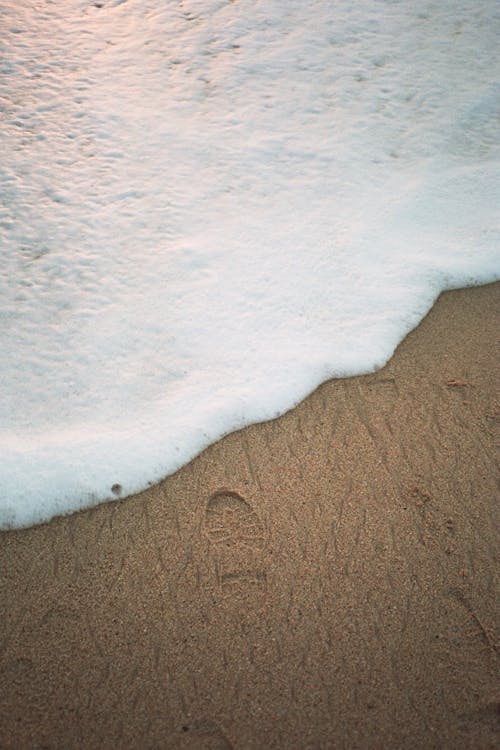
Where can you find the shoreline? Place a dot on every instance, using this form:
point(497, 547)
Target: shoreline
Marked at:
point(325, 579)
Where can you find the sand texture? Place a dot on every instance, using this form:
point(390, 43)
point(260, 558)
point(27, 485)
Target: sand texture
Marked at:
point(325, 580)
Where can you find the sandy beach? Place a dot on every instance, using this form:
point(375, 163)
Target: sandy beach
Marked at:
point(325, 580)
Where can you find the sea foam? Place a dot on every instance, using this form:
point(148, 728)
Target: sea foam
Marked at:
point(210, 207)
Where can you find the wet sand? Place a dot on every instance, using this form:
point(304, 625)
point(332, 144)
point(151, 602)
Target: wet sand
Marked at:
point(325, 580)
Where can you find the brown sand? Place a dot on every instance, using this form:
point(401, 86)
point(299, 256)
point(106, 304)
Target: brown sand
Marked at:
point(326, 580)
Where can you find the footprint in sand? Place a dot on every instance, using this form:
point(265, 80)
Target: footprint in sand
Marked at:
point(237, 538)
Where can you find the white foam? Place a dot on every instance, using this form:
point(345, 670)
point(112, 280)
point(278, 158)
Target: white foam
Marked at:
point(210, 207)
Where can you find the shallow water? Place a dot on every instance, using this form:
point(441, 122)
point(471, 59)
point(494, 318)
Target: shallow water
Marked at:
point(208, 208)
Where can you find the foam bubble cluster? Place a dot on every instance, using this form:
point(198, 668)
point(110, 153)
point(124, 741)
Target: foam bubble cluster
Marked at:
point(210, 207)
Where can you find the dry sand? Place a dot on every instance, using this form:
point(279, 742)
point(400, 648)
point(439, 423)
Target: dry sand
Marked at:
point(326, 580)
